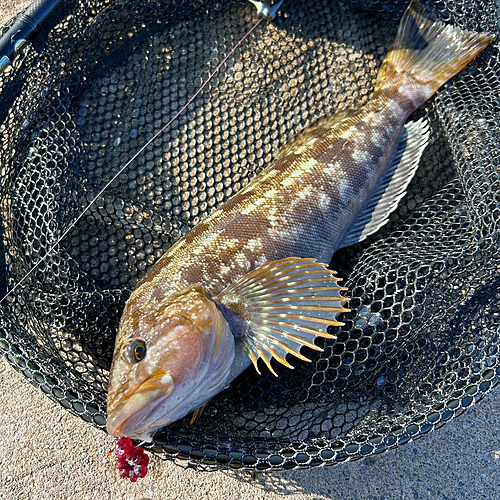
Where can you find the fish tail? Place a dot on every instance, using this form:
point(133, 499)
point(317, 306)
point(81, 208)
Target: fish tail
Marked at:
point(427, 52)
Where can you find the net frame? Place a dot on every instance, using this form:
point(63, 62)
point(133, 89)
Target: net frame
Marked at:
point(421, 344)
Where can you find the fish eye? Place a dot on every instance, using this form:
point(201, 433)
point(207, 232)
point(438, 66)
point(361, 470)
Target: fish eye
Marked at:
point(135, 351)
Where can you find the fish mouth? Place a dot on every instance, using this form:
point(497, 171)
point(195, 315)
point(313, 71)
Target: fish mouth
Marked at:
point(129, 417)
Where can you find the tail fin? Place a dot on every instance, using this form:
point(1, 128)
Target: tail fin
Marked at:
point(429, 51)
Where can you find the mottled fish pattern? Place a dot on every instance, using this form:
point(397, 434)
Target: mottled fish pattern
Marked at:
point(246, 282)
point(302, 205)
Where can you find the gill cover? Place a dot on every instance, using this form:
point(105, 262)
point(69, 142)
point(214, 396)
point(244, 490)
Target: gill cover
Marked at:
point(173, 355)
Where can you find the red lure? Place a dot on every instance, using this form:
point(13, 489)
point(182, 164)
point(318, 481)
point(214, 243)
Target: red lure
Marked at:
point(131, 460)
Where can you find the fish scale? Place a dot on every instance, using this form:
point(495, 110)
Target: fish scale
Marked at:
point(283, 222)
point(245, 284)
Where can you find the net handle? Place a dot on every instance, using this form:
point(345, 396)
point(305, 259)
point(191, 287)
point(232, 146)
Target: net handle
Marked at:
point(24, 30)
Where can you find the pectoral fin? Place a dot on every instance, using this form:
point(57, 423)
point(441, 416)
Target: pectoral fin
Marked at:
point(281, 306)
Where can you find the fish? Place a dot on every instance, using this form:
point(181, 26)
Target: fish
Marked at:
point(249, 284)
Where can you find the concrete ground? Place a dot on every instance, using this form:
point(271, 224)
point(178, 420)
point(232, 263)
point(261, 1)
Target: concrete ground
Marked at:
point(46, 453)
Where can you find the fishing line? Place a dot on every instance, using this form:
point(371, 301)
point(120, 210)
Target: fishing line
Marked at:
point(127, 164)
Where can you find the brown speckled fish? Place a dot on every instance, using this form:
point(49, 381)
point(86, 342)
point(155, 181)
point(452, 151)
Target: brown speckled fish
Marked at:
point(246, 283)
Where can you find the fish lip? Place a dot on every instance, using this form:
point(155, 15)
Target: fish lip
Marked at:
point(125, 411)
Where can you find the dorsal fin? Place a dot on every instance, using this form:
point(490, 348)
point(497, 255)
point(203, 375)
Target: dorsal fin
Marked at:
point(319, 128)
point(393, 185)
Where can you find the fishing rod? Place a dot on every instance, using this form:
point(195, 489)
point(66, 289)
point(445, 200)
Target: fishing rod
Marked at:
point(265, 11)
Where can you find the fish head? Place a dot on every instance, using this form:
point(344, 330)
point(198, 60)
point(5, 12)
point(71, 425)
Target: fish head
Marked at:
point(173, 354)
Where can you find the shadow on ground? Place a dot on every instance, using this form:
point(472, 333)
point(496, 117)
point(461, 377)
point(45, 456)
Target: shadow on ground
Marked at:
point(459, 460)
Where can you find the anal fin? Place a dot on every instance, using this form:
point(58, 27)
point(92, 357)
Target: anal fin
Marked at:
point(393, 185)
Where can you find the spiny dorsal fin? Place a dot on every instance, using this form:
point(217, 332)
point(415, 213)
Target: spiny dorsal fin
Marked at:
point(282, 306)
point(393, 185)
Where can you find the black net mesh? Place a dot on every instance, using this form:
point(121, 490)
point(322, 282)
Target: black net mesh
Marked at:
point(421, 343)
